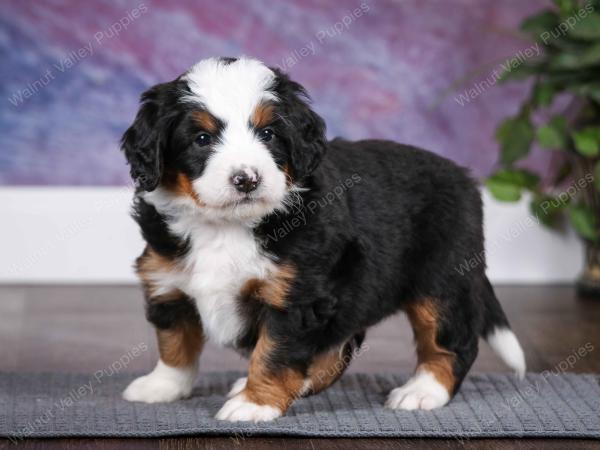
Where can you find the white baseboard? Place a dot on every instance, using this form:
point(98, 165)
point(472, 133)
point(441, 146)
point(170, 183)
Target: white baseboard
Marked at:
point(85, 235)
point(67, 235)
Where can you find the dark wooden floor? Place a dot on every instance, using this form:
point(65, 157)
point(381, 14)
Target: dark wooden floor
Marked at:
point(83, 328)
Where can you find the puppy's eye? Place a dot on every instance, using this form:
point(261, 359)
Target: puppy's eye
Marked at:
point(266, 134)
point(203, 139)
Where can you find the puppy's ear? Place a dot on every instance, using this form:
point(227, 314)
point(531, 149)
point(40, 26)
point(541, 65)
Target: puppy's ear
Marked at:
point(145, 140)
point(305, 128)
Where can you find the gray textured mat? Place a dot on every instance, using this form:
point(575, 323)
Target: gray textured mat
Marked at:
point(494, 405)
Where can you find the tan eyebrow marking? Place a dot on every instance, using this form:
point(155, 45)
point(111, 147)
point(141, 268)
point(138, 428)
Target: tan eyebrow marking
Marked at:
point(263, 115)
point(205, 121)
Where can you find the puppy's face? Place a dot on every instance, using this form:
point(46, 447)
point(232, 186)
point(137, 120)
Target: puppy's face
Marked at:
point(232, 136)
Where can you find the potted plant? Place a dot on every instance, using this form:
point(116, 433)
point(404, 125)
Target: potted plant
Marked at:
point(561, 115)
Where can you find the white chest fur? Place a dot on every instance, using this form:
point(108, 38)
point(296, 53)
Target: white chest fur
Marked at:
point(222, 257)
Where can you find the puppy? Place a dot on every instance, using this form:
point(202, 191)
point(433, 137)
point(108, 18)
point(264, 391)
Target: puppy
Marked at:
point(265, 237)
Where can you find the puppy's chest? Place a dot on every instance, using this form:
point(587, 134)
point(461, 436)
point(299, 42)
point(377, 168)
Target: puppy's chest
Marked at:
point(220, 261)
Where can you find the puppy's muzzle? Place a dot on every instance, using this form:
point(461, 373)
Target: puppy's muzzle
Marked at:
point(245, 180)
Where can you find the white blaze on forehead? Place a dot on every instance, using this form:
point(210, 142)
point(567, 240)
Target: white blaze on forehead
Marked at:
point(230, 91)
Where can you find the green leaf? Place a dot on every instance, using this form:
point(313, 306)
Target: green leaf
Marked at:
point(591, 56)
point(566, 7)
point(503, 191)
point(515, 135)
point(597, 175)
point(587, 28)
point(521, 72)
point(539, 23)
point(543, 94)
point(587, 141)
point(553, 135)
point(565, 43)
point(507, 184)
point(547, 209)
point(565, 61)
point(588, 57)
point(585, 145)
point(519, 177)
point(584, 222)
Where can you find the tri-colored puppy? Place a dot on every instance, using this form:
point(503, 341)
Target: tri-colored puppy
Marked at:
point(264, 236)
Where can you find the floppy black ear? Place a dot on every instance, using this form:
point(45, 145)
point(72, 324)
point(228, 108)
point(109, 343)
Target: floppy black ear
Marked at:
point(305, 128)
point(145, 140)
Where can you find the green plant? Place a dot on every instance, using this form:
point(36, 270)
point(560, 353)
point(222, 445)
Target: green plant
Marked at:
point(568, 67)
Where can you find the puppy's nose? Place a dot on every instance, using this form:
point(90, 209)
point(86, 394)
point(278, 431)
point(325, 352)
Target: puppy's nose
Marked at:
point(245, 180)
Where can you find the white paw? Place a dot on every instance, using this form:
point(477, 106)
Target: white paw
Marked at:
point(238, 386)
point(163, 384)
point(239, 409)
point(422, 391)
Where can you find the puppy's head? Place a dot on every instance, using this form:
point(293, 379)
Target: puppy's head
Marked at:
point(231, 135)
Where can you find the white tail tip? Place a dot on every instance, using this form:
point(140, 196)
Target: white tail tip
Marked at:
point(504, 342)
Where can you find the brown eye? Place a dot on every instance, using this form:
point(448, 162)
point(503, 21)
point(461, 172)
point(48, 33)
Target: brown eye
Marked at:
point(203, 139)
point(266, 134)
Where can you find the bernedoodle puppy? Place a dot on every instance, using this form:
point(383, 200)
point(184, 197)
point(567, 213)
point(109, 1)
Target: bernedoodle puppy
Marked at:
point(265, 237)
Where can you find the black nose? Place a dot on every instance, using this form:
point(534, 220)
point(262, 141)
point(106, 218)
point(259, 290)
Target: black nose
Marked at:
point(245, 180)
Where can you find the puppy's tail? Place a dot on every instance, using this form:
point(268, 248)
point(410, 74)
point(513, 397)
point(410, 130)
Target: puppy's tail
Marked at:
point(496, 331)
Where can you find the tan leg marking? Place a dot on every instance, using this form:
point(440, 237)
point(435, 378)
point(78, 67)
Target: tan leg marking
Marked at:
point(430, 356)
point(327, 368)
point(181, 346)
point(265, 387)
point(151, 265)
point(180, 340)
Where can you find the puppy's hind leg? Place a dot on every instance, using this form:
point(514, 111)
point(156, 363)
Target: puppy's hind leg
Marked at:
point(326, 368)
point(446, 343)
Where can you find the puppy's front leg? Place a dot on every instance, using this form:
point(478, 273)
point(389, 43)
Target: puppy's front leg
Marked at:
point(180, 341)
point(270, 389)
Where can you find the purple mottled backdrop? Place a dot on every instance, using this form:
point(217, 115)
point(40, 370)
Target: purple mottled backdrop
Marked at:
point(72, 72)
